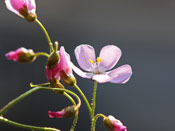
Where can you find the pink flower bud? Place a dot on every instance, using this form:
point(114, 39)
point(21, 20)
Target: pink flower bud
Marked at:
point(113, 124)
point(58, 114)
point(67, 112)
point(23, 8)
point(22, 55)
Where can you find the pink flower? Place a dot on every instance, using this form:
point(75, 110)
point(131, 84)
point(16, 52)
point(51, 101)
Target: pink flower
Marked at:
point(96, 68)
point(62, 69)
point(58, 114)
point(113, 124)
point(21, 55)
point(21, 7)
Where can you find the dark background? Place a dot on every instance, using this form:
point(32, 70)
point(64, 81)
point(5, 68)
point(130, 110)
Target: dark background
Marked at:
point(143, 29)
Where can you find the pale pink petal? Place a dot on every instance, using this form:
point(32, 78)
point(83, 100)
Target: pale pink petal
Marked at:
point(121, 74)
point(101, 78)
point(83, 54)
point(109, 56)
point(80, 72)
point(31, 5)
point(64, 61)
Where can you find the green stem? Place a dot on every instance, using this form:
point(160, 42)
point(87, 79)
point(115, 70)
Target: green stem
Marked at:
point(95, 119)
point(46, 33)
point(13, 102)
point(74, 123)
point(94, 99)
point(84, 97)
point(68, 91)
point(39, 85)
point(9, 122)
point(70, 98)
point(41, 54)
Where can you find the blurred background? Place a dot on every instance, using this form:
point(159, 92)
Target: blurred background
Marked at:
point(143, 29)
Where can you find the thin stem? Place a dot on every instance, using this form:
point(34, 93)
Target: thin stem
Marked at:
point(46, 33)
point(13, 102)
point(41, 54)
point(84, 97)
point(74, 123)
point(70, 98)
point(68, 91)
point(95, 119)
point(9, 122)
point(39, 85)
point(94, 99)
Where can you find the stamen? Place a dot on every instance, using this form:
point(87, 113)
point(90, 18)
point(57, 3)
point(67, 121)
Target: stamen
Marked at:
point(91, 61)
point(98, 60)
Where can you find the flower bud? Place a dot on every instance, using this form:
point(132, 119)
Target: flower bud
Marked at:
point(113, 124)
point(22, 55)
point(23, 8)
point(67, 112)
point(56, 84)
point(67, 79)
point(53, 59)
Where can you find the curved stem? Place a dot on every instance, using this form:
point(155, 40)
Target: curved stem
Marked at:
point(43, 85)
point(9, 122)
point(46, 33)
point(94, 99)
point(95, 119)
point(84, 97)
point(70, 98)
point(68, 91)
point(74, 123)
point(41, 54)
point(13, 102)
point(19, 98)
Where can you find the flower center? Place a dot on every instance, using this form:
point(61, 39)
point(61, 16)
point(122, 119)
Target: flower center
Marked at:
point(95, 65)
point(98, 60)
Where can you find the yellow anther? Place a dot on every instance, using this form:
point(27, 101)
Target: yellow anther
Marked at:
point(91, 61)
point(98, 60)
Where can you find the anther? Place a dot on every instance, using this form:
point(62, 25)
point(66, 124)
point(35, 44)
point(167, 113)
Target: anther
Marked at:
point(98, 60)
point(91, 61)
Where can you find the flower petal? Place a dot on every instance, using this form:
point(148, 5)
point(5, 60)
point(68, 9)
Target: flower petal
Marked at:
point(64, 61)
point(11, 8)
point(109, 56)
point(80, 72)
point(31, 6)
point(121, 74)
point(59, 114)
point(83, 54)
point(101, 78)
